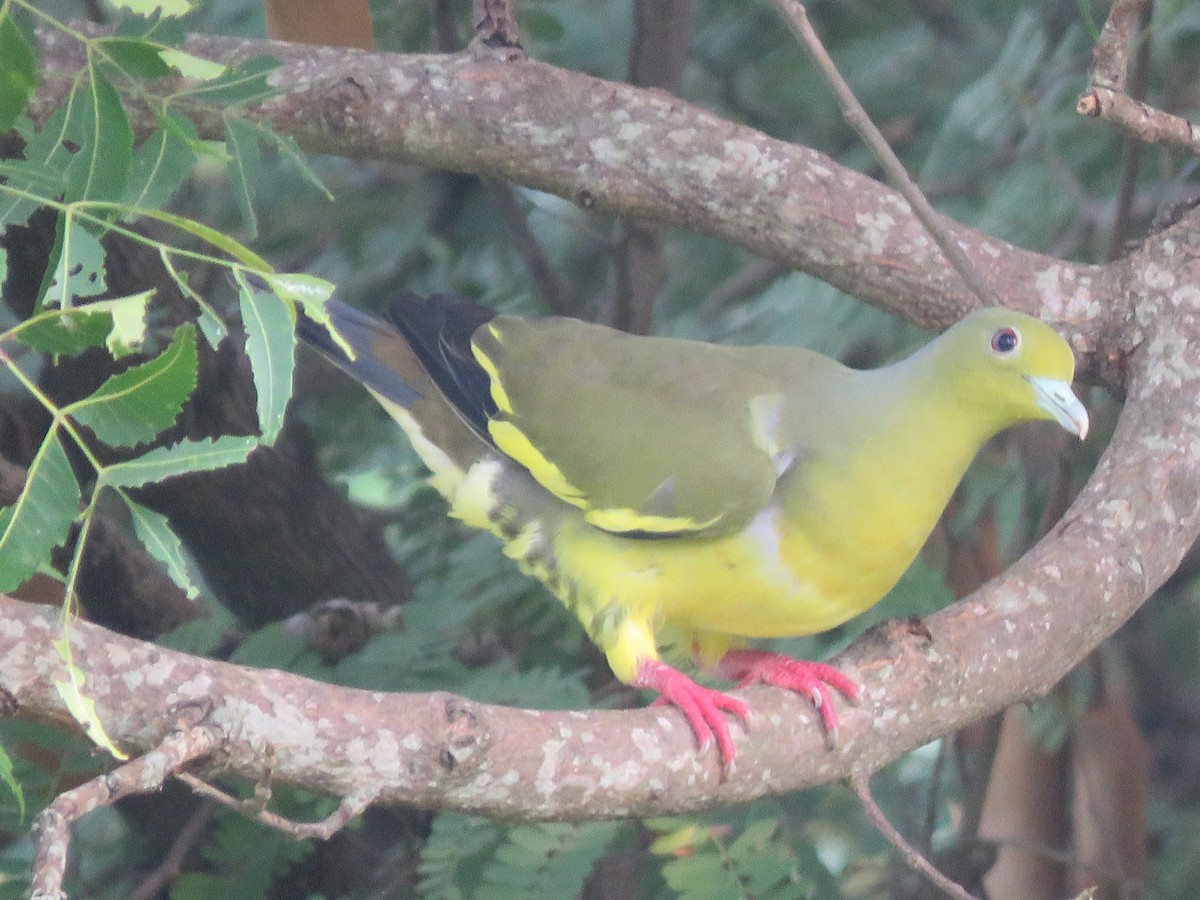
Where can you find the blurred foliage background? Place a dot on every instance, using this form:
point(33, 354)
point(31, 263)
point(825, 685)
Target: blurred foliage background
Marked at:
point(978, 98)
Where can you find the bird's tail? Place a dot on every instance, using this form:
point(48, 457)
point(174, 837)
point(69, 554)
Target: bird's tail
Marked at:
point(385, 362)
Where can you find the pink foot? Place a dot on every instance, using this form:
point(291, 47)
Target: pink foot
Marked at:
point(704, 708)
point(812, 680)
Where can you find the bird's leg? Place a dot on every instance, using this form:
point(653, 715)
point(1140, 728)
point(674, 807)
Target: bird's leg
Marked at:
point(703, 707)
point(811, 679)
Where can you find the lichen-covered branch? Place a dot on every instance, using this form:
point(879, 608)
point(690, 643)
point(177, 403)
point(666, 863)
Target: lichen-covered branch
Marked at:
point(645, 154)
point(1011, 640)
point(1106, 96)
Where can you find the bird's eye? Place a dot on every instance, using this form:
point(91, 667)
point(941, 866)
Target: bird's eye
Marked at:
point(1005, 340)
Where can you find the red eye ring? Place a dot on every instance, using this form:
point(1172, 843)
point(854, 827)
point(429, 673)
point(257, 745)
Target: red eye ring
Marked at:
point(1005, 340)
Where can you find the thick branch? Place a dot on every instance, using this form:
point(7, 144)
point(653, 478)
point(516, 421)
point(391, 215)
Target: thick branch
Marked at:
point(1009, 641)
point(639, 153)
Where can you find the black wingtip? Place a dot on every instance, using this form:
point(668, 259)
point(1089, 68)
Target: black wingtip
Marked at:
point(439, 330)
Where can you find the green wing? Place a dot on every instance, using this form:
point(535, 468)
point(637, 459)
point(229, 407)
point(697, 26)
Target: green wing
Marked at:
point(649, 436)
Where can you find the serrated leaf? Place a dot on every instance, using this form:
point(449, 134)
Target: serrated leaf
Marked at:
point(241, 140)
point(81, 707)
point(129, 323)
point(287, 145)
point(41, 174)
point(134, 57)
point(134, 406)
point(245, 83)
point(18, 75)
point(238, 251)
point(179, 459)
point(271, 346)
point(99, 169)
point(162, 163)
point(191, 66)
point(9, 780)
point(164, 8)
point(41, 518)
point(80, 271)
point(161, 542)
point(68, 332)
point(210, 323)
point(310, 293)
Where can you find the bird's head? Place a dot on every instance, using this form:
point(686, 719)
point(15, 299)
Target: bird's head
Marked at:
point(1015, 367)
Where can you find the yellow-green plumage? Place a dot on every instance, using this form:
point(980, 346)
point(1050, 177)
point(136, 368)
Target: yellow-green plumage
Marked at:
point(671, 489)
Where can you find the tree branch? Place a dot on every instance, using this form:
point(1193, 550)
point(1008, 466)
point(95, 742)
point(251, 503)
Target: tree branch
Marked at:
point(139, 776)
point(637, 152)
point(1123, 536)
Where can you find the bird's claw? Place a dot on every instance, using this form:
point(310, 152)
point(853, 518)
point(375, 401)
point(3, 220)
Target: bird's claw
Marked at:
point(704, 708)
point(809, 679)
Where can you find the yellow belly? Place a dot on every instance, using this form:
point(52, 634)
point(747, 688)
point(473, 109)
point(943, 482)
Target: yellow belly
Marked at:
point(804, 565)
point(751, 584)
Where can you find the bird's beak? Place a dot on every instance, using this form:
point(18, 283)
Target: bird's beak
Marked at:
point(1056, 397)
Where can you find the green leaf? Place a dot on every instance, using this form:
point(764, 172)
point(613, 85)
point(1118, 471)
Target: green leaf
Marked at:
point(68, 332)
point(546, 860)
point(42, 173)
point(309, 291)
point(191, 66)
point(244, 84)
point(241, 140)
point(9, 780)
point(81, 707)
point(179, 459)
point(162, 163)
point(210, 323)
point(456, 851)
point(99, 169)
point(134, 406)
point(41, 518)
point(160, 7)
point(271, 345)
point(288, 147)
point(80, 269)
point(18, 75)
point(134, 57)
point(129, 322)
point(161, 542)
point(238, 251)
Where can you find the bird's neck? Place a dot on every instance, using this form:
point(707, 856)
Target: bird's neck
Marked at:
point(927, 433)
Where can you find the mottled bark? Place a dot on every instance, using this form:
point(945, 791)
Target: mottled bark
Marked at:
point(1135, 323)
point(646, 154)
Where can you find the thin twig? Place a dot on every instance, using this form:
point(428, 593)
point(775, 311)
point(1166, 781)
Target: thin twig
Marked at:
point(749, 278)
point(915, 861)
point(172, 865)
point(854, 114)
point(1107, 96)
point(550, 287)
point(347, 810)
point(1131, 152)
point(142, 775)
point(1111, 60)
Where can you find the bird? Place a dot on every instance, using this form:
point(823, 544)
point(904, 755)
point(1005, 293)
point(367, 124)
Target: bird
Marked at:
point(677, 493)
